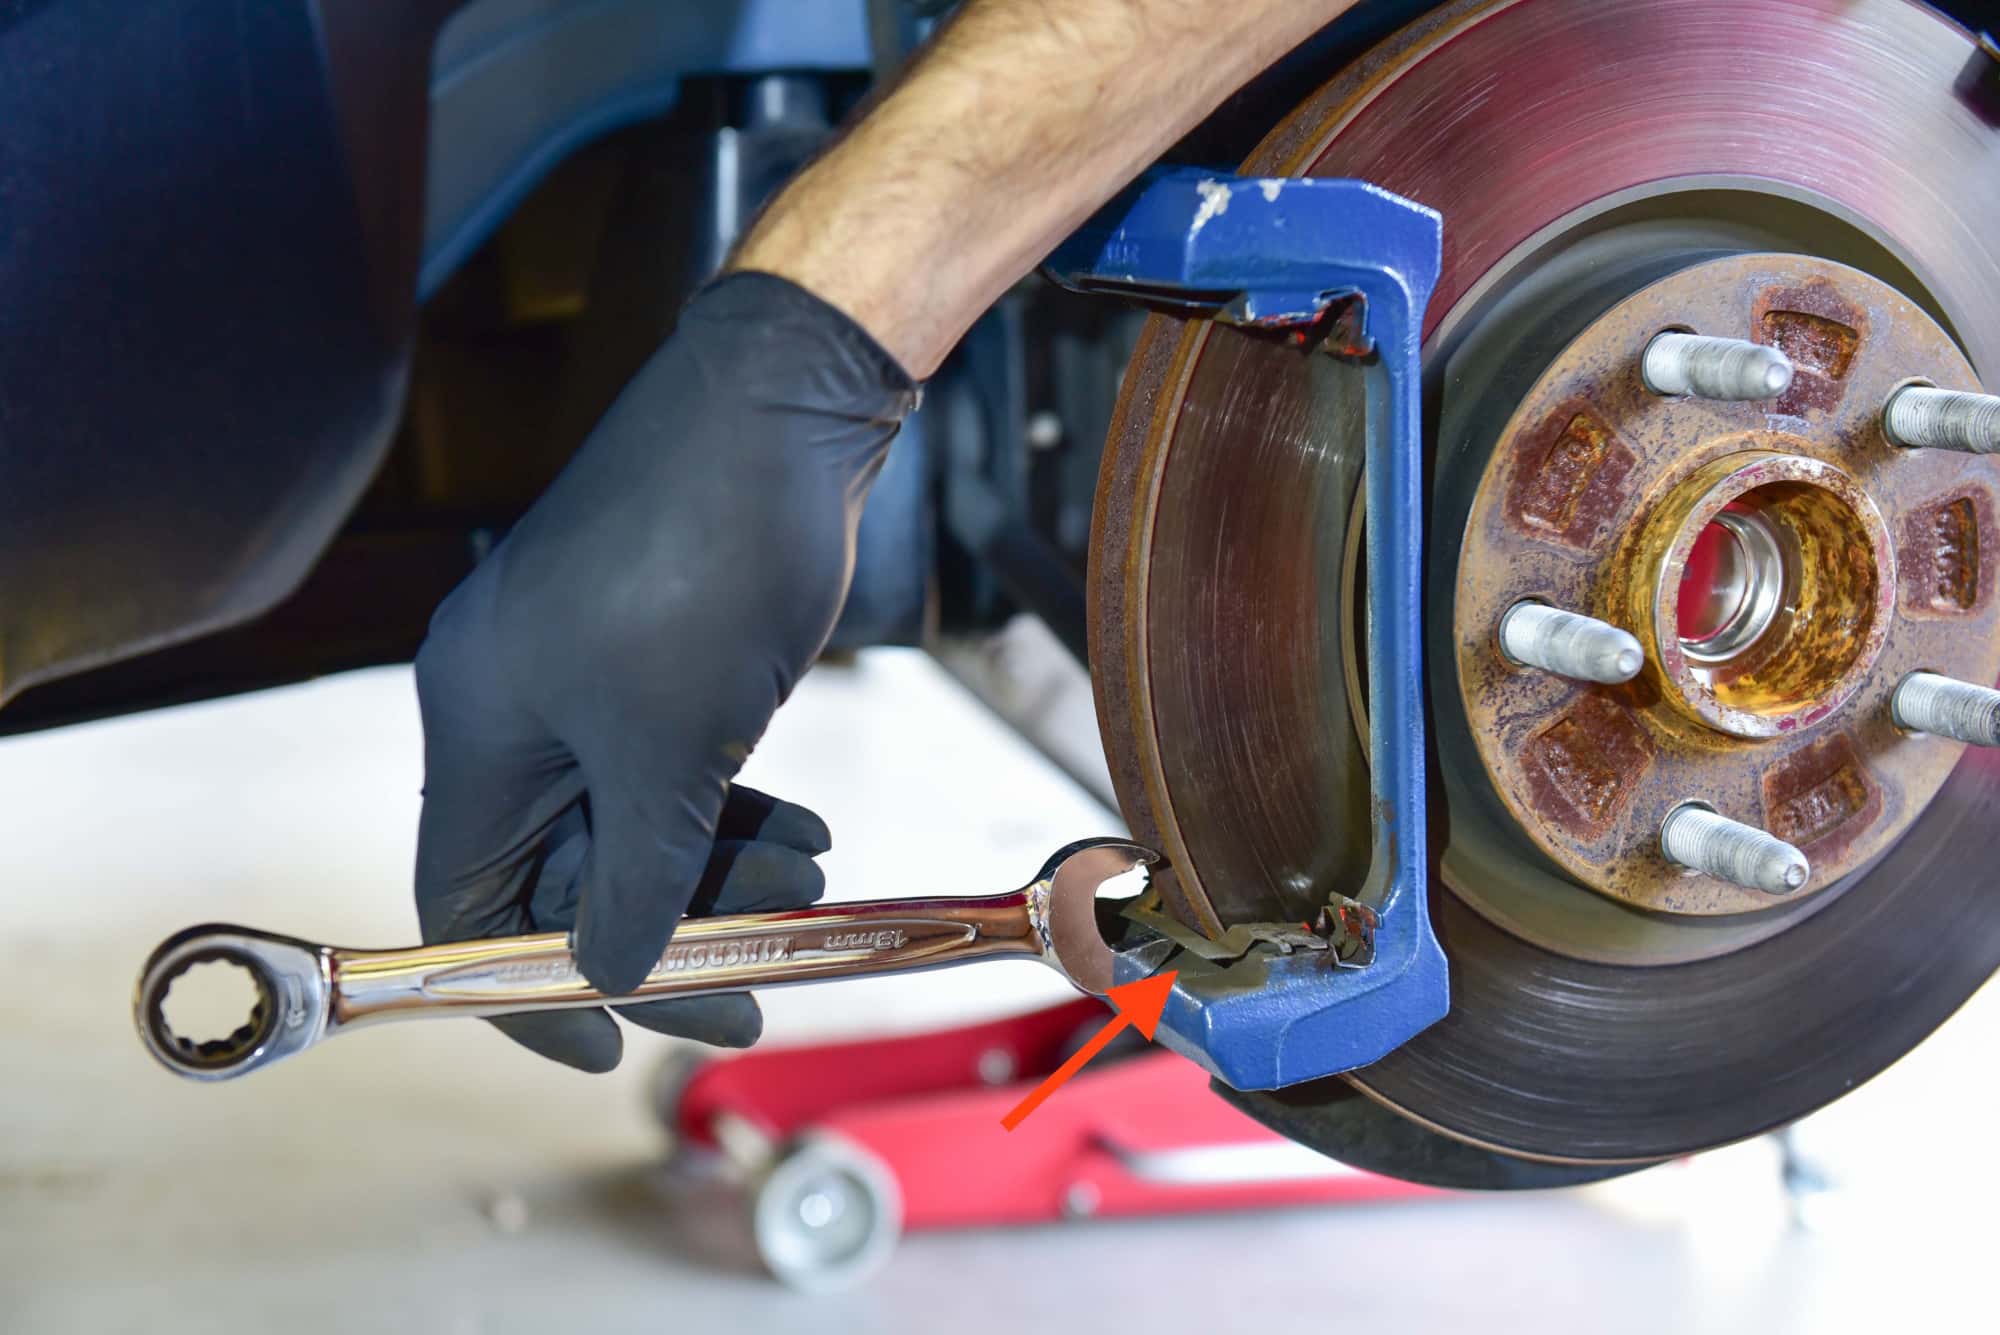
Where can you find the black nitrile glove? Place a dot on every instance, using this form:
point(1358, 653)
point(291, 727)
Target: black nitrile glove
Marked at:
point(590, 691)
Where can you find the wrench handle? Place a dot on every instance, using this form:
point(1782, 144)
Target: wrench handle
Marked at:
point(498, 976)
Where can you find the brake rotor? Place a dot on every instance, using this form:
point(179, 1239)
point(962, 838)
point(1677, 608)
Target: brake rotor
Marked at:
point(1588, 1026)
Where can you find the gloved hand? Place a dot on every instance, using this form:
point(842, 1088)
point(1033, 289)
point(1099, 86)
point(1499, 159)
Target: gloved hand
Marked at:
point(591, 689)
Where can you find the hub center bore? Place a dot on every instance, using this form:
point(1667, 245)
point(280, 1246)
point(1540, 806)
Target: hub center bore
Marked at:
point(1731, 586)
point(1765, 590)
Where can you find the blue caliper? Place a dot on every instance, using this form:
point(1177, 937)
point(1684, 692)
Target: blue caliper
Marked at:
point(1354, 265)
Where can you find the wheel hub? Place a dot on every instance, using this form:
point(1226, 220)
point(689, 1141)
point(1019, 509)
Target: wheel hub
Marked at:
point(1754, 549)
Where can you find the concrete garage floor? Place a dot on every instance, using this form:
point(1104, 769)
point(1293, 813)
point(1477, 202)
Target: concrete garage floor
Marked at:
point(432, 1177)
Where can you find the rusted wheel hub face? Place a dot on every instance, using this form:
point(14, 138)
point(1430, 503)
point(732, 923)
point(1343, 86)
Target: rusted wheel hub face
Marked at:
point(1783, 565)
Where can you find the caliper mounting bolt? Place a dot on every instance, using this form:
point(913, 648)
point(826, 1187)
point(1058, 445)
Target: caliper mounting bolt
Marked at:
point(1923, 417)
point(1569, 644)
point(1945, 707)
point(1729, 369)
point(1695, 836)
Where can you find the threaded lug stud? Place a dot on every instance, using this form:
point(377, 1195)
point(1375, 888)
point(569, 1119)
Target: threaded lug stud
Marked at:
point(1922, 417)
point(1726, 369)
point(1569, 644)
point(1694, 836)
point(1945, 707)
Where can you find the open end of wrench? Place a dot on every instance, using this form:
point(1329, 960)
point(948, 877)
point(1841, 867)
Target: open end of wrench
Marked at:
point(289, 1010)
point(1077, 876)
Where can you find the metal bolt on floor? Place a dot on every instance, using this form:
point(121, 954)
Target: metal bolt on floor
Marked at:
point(1944, 707)
point(1694, 836)
point(1922, 417)
point(1569, 644)
point(1729, 369)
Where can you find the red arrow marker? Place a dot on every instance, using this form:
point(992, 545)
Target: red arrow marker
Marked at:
point(1139, 1005)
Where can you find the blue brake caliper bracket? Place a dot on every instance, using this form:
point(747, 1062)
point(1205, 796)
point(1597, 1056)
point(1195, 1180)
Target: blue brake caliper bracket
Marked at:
point(1297, 254)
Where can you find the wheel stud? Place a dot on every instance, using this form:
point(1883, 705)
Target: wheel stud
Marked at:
point(1729, 369)
point(1944, 707)
point(1921, 417)
point(1694, 836)
point(1568, 644)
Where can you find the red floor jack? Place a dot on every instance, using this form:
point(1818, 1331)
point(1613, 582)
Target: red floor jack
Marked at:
point(849, 1144)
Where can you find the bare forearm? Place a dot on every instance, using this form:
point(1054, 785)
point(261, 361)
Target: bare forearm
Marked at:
point(1017, 122)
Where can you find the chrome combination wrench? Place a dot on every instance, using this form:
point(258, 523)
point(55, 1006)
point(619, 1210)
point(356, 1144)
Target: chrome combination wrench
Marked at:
point(307, 992)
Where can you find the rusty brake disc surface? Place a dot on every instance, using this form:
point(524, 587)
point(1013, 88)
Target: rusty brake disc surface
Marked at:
point(1625, 142)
